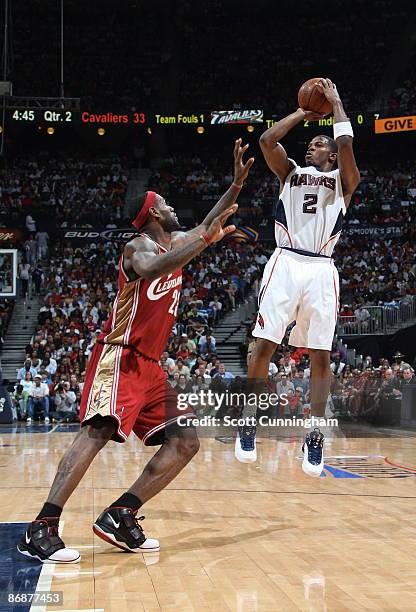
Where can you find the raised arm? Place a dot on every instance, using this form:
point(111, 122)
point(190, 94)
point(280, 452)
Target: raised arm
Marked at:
point(350, 175)
point(274, 154)
point(241, 171)
point(141, 257)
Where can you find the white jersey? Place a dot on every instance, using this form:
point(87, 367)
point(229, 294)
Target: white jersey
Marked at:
point(309, 214)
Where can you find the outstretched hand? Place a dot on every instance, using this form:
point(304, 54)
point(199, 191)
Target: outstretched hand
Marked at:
point(241, 169)
point(216, 230)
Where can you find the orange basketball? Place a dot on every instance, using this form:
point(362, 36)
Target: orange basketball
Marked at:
point(310, 98)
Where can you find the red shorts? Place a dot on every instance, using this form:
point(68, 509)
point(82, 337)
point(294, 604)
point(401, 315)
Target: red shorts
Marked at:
point(132, 389)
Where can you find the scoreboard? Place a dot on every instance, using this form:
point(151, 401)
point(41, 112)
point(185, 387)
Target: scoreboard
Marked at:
point(376, 122)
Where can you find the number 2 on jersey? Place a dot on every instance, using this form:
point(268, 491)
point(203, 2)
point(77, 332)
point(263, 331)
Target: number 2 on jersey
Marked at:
point(309, 203)
point(173, 309)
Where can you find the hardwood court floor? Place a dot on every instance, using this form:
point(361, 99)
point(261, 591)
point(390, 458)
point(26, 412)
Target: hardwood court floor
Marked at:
point(245, 538)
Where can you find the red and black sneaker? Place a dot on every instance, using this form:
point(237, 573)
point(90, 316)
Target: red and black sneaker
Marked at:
point(41, 542)
point(120, 527)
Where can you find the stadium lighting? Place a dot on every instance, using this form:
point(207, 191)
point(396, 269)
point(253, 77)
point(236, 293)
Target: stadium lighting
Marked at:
point(101, 131)
point(149, 130)
point(200, 129)
point(250, 128)
point(51, 130)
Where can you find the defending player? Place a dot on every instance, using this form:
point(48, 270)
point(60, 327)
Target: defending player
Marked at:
point(125, 388)
point(300, 281)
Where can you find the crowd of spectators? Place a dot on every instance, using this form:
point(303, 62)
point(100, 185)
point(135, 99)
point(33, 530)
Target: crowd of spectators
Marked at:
point(358, 392)
point(376, 254)
point(78, 281)
point(87, 192)
point(78, 288)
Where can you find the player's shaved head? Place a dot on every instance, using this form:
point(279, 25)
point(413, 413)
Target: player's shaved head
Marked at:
point(332, 145)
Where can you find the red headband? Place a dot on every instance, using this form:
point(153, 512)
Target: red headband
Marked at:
point(142, 215)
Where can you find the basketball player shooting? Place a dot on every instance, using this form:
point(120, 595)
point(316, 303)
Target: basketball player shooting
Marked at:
point(125, 388)
point(300, 281)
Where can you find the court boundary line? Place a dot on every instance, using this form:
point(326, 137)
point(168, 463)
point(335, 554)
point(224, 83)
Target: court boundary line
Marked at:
point(403, 467)
point(45, 578)
point(244, 491)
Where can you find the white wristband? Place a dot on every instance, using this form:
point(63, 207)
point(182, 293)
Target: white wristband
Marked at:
point(344, 128)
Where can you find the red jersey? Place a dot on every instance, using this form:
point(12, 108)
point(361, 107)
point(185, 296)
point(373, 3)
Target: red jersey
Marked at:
point(144, 312)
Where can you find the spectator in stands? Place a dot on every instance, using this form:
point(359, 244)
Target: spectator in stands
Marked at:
point(216, 305)
point(181, 368)
point(223, 374)
point(201, 384)
point(184, 385)
point(26, 368)
point(38, 399)
point(37, 277)
point(189, 342)
point(42, 239)
point(20, 400)
point(30, 224)
point(65, 403)
point(295, 399)
point(23, 274)
point(207, 344)
point(168, 361)
point(390, 387)
point(301, 382)
point(399, 362)
point(272, 370)
point(337, 366)
point(409, 378)
point(27, 381)
point(183, 353)
point(283, 385)
point(202, 371)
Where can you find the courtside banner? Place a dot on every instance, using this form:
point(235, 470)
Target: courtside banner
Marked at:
point(395, 124)
point(91, 235)
point(387, 229)
point(231, 117)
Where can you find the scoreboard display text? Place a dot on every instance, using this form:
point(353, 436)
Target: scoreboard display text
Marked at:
point(64, 117)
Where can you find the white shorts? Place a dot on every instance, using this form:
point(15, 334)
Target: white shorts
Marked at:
point(298, 288)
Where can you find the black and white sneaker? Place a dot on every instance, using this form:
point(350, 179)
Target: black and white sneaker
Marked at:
point(313, 455)
point(121, 528)
point(41, 542)
point(245, 444)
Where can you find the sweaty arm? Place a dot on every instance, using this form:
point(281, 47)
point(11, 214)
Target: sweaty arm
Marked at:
point(274, 154)
point(349, 173)
point(141, 257)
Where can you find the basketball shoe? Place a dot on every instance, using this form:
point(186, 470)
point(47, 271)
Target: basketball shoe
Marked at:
point(313, 455)
point(121, 528)
point(41, 542)
point(245, 444)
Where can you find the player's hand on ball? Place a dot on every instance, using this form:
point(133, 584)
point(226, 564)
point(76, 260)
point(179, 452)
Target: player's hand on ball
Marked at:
point(216, 230)
point(241, 169)
point(311, 115)
point(329, 89)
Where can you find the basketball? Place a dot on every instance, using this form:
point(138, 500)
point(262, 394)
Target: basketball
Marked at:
point(310, 98)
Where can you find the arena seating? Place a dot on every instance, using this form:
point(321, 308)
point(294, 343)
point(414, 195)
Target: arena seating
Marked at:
point(79, 279)
point(113, 60)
